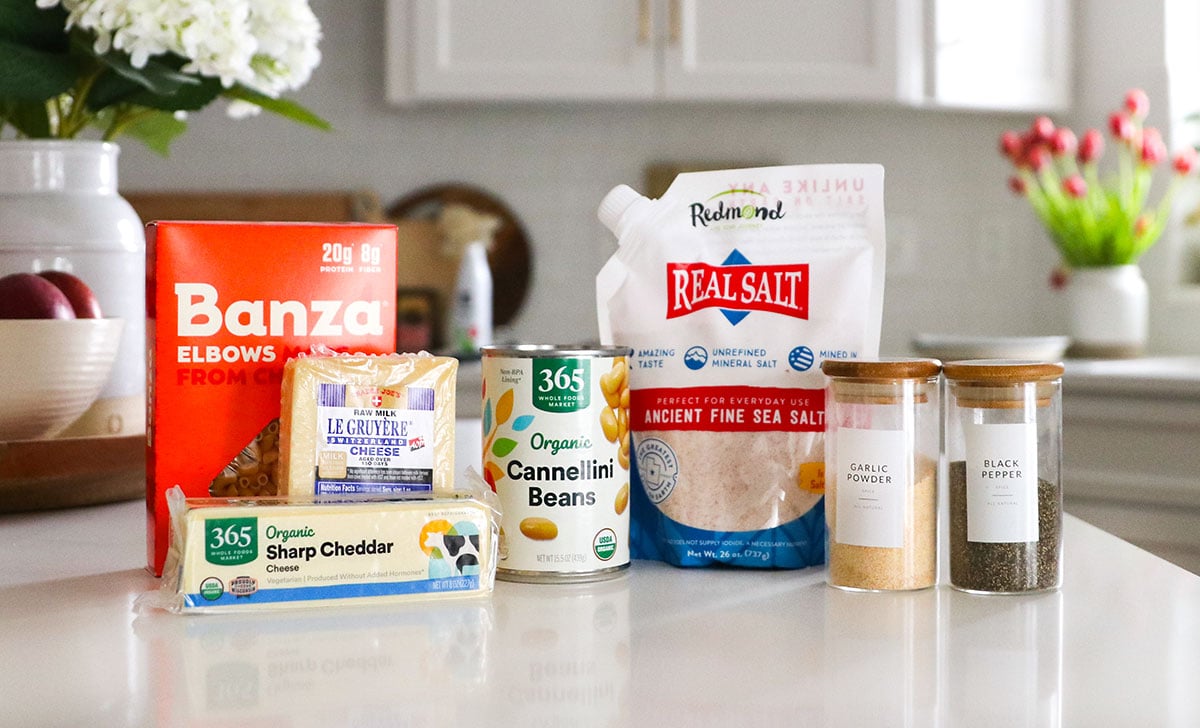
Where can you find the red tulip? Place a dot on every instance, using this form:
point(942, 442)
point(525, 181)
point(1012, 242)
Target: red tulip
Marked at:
point(1137, 103)
point(1011, 145)
point(1059, 278)
point(1153, 149)
point(1017, 185)
point(1142, 225)
point(1121, 126)
point(1075, 186)
point(1042, 129)
point(1037, 158)
point(1062, 141)
point(1185, 161)
point(1092, 146)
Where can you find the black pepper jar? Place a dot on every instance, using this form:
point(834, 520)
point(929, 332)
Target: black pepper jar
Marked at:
point(1004, 446)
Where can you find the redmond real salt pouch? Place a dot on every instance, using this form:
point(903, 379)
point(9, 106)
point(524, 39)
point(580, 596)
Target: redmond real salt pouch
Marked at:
point(731, 289)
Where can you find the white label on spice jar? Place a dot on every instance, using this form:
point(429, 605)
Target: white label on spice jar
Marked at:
point(871, 485)
point(1002, 505)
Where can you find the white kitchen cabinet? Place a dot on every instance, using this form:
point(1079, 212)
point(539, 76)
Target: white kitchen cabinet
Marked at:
point(983, 54)
point(768, 50)
point(687, 50)
point(1130, 459)
point(520, 50)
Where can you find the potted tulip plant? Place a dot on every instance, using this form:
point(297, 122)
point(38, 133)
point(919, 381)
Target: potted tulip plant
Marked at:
point(1101, 225)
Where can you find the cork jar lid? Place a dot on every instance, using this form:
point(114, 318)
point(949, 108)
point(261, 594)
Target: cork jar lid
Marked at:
point(882, 369)
point(1002, 371)
point(1002, 383)
point(881, 381)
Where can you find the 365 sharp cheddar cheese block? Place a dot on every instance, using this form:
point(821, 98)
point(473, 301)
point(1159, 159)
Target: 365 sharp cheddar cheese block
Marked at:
point(228, 304)
point(272, 553)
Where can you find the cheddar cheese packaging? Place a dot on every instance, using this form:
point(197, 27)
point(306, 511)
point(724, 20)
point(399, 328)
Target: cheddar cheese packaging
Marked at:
point(228, 304)
point(232, 555)
point(367, 424)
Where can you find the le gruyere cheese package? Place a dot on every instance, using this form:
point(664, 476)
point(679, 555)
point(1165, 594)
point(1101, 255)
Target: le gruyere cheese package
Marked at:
point(358, 424)
point(228, 304)
point(231, 555)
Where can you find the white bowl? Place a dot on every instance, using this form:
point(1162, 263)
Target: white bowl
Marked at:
point(949, 347)
point(52, 370)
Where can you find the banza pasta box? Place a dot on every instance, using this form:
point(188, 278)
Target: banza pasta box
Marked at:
point(228, 305)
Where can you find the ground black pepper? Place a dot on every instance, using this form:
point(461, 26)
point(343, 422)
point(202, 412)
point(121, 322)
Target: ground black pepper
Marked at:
point(1004, 567)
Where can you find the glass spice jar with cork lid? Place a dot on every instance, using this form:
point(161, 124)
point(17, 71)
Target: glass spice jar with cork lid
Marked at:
point(882, 425)
point(1004, 447)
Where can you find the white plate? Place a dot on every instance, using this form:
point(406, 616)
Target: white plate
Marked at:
point(949, 347)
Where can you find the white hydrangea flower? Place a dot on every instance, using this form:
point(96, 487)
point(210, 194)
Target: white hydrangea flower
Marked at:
point(267, 45)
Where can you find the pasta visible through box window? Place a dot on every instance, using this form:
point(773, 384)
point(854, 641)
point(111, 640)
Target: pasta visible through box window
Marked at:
point(252, 472)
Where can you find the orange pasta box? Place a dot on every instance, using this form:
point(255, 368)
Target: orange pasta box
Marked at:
point(228, 303)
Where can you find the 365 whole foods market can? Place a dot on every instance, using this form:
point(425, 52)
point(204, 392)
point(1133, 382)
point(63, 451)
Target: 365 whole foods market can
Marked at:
point(556, 451)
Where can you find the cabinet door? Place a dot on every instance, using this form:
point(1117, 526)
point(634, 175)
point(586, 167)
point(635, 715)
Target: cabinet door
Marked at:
point(526, 49)
point(855, 50)
point(1001, 54)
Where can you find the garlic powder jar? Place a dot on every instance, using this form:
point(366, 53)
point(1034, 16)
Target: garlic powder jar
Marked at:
point(881, 453)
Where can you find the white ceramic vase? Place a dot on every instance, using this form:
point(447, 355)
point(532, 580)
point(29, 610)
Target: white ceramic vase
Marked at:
point(60, 210)
point(1108, 311)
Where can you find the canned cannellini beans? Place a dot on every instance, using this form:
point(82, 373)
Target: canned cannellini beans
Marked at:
point(556, 451)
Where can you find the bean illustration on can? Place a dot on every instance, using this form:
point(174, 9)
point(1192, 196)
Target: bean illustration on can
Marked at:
point(556, 451)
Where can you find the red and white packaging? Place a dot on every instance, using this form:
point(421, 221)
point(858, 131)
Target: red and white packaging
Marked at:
point(228, 303)
point(731, 289)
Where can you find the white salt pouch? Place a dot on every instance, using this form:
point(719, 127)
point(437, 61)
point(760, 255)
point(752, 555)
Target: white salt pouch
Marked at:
point(731, 289)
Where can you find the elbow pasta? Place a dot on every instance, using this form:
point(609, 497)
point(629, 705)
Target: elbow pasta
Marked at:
point(252, 472)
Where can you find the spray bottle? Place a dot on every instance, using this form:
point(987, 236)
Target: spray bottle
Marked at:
point(468, 234)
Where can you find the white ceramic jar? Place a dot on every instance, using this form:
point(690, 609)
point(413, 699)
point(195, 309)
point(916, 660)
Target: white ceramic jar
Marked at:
point(1108, 309)
point(60, 210)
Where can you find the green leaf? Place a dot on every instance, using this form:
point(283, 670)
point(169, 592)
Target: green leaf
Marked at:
point(33, 75)
point(283, 107)
point(503, 446)
point(28, 117)
point(160, 77)
point(23, 22)
point(156, 129)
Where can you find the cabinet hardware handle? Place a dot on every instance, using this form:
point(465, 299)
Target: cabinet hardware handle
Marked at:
point(674, 22)
point(645, 30)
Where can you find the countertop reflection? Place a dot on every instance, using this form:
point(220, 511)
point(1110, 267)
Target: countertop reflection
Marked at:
point(1119, 645)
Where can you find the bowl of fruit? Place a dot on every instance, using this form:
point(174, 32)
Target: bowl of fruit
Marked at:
point(56, 352)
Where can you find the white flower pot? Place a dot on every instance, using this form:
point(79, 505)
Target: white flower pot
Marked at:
point(1108, 312)
point(59, 209)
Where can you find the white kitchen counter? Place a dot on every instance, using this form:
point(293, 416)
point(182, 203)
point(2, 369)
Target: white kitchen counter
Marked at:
point(1118, 646)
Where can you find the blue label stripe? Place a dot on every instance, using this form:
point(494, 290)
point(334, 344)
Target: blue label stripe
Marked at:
point(331, 395)
point(420, 398)
point(340, 591)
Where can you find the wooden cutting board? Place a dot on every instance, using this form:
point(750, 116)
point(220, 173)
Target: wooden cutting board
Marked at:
point(300, 206)
point(510, 258)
